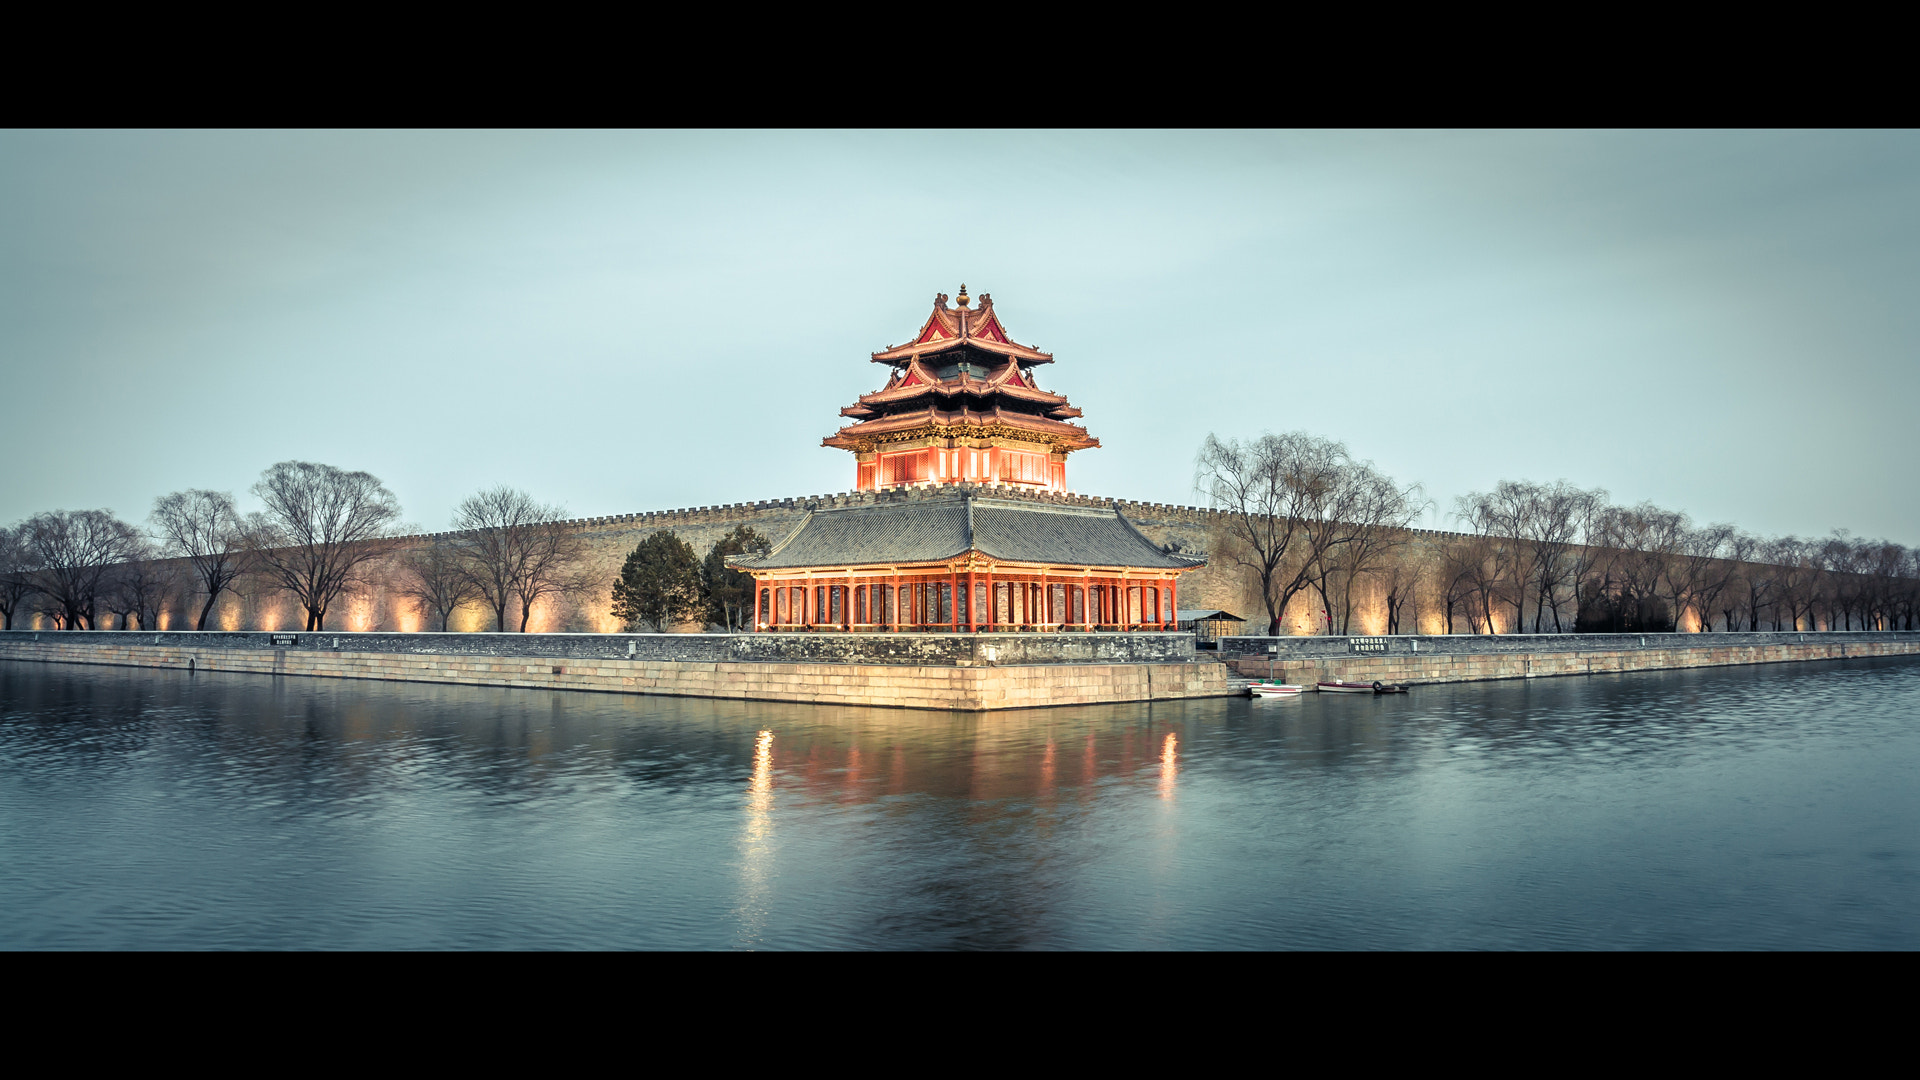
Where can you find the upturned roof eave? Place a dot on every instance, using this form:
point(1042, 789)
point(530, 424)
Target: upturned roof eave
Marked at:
point(967, 385)
point(942, 344)
point(941, 562)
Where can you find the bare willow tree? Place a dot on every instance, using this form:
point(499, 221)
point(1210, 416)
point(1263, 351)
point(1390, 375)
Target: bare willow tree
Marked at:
point(72, 551)
point(16, 573)
point(1545, 526)
point(1751, 588)
point(1400, 579)
point(141, 589)
point(1500, 517)
point(1374, 523)
point(1256, 488)
point(1798, 577)
point(436, 580)
point(203, 528)
point(320, 528)
point(1289, 504)
point(1463, 569)
point(1640, 542)
point(516, 550)
point(1698, 572)
point(1889, 592)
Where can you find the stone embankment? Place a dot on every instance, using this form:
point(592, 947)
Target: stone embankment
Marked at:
point(1464, 658)
point(928, 671)
point(914, 671)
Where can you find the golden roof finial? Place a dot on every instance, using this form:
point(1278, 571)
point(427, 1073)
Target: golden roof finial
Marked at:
point(962, 298)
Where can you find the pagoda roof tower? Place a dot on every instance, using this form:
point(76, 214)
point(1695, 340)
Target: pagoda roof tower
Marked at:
point(961, 404)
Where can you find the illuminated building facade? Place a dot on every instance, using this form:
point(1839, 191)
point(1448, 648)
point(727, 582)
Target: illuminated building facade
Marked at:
point(962, 405)
point(964, 457)
point(960, 559)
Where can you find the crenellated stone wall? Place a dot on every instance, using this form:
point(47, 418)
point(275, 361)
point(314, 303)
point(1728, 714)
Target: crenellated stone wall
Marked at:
point(256, 605)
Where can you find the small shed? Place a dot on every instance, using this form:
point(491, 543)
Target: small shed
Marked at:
point(1209, 625)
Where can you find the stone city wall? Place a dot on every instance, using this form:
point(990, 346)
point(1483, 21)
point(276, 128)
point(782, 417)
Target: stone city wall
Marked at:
point(255, 605)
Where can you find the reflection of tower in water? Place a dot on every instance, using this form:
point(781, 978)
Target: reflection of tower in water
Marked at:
point(756, 854)
point(760, 791)
point(1169, 766)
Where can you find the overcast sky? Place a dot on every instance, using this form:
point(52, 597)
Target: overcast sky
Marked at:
point(1721, 323)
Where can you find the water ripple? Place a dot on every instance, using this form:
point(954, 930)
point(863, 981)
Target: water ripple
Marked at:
point(1769, 807)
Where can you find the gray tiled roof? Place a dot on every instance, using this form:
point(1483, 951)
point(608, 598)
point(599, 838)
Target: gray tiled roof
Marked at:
point(935, 529)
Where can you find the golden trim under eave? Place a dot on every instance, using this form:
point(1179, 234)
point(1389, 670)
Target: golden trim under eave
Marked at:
point(959, 432)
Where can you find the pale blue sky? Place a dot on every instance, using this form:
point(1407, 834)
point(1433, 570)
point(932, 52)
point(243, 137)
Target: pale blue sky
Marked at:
point(1720, 322)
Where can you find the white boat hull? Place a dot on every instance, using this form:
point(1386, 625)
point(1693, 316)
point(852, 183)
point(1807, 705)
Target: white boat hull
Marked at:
point(1274, 690)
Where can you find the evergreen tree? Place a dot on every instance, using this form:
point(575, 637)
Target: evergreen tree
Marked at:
point(660, 583)
point(729, 591)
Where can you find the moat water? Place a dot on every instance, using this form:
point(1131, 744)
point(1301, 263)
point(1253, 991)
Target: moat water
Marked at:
point(1771, 807)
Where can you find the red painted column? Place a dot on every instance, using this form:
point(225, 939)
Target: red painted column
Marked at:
point(1173, 608)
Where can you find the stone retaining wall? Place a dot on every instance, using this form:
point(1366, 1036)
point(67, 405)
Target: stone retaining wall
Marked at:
point(1470, 666)
point(1298, 647)
point(911, 686)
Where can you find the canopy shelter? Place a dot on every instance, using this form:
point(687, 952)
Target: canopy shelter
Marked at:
point(954, 559)
point(1208, 624)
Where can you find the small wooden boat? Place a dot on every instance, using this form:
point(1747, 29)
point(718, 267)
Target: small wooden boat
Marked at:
point(1341, 686)
point(1270, 689)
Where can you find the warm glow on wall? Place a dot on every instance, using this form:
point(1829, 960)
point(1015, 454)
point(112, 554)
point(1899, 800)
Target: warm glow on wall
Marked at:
point(540, 620)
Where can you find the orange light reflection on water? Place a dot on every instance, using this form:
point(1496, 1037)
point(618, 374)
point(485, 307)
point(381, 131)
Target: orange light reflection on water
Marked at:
point(1169, 765)
point(756, 854)
point(761, 787)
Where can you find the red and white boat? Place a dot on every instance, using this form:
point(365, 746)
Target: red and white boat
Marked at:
point(1341, 686)
point(1271, 689)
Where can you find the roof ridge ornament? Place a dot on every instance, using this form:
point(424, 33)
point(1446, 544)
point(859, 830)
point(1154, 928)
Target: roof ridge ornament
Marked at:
point(962, 298)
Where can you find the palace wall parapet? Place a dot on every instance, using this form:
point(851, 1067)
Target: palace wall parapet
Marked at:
point(962, 650)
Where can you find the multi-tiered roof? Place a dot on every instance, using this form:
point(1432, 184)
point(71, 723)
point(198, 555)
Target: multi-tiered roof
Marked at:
point(962, 382)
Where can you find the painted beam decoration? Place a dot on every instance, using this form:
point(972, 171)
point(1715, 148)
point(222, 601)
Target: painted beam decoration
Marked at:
point(965, 561)
point(961, 405)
